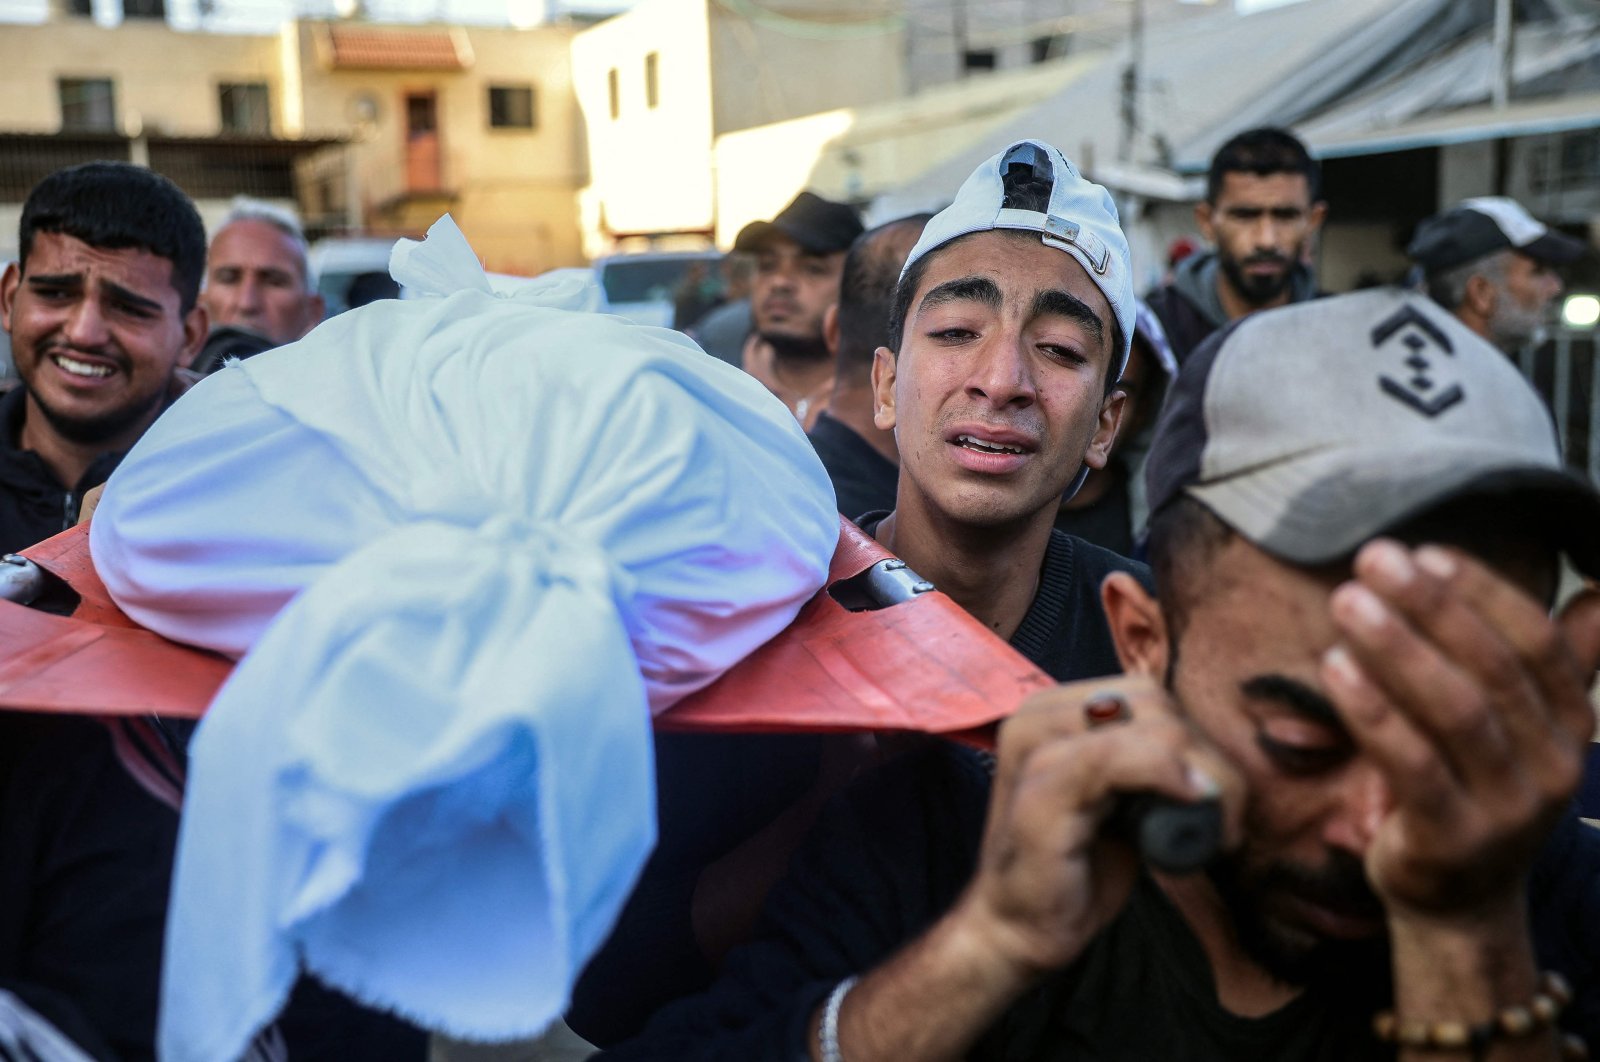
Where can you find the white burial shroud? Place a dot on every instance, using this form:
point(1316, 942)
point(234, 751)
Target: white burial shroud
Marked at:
point(464, 546)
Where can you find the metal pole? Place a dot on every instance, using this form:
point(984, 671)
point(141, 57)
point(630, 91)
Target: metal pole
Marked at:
point(1594, 418)
point(1563, 390)
point(1130, 81)
point(1503, 29)
point(958, 26)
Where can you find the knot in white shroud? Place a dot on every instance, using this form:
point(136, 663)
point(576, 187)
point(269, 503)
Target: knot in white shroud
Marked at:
point(463, 546)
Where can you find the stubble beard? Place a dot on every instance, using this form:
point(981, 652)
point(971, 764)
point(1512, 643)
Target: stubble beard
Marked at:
point(1257, 291)
point(1513, 327)
point(1290, 955)
point(797, 350)
point(103, 428)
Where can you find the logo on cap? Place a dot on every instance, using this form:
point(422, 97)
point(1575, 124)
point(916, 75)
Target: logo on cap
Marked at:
point(1416, 335)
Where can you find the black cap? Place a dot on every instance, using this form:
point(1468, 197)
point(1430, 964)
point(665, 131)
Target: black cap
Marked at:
point(229, 342)
point(1482, 226)
point(816, 224)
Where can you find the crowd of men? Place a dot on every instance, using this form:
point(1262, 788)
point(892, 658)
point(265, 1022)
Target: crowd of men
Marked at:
point(1296, 555)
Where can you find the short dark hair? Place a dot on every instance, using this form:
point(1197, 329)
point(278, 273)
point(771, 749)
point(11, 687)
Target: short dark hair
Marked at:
point(1182, 536)
point(1025, 190)
point(117, 205)
point(1263, 152)
point(867, 294)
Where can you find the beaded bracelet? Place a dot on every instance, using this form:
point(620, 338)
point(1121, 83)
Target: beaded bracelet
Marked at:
point(828, 1032)
point(1510, 1023)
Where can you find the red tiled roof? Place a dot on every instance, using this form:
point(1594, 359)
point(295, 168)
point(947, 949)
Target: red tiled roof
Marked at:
point(371, 48)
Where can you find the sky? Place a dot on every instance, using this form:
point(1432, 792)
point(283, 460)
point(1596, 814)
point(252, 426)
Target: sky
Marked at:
point(259, 16)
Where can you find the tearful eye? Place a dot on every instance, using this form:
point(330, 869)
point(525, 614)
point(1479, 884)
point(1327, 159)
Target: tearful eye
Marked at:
point(1060, 353)
point(1301, 757)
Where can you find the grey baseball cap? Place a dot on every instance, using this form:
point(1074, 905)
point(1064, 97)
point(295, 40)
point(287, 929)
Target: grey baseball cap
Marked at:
point(1313, 428)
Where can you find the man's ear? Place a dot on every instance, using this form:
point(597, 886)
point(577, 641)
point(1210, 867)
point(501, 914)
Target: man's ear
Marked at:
point(1481, 295)
point(830, 328)
point(1319, 214)
point(196, 326)
point(317, 308)
point(10, 281)
point(883, 370)
point(1105, 430)
point(1202, 220)
point(1137, 626)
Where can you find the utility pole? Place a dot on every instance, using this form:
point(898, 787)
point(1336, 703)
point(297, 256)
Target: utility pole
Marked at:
point(1503, 30)
point(1130, 82)
point(958, 26)
point(1500, 90)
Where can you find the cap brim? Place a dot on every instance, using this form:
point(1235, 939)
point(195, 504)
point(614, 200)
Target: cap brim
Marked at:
point(755, 236)
point(1337, 501)
point(1556, 248)
point(758, 234)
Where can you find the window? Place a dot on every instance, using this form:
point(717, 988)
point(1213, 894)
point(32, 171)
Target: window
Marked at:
point(81, 8)
point(1046, 48)
point(652, 86)
point(511, 107)
point(88, 105)
point(978, 59)
point(144, 9)
point(616, 93)
point(245, 110)
point(1580, 158)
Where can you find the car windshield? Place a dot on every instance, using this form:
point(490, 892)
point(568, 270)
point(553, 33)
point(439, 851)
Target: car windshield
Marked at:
point(645, 279)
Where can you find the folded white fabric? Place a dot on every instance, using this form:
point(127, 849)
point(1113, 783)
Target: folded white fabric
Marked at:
point(464, 546)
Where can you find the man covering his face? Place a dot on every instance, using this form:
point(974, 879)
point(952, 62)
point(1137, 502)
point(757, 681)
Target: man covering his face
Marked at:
point(1358, 509)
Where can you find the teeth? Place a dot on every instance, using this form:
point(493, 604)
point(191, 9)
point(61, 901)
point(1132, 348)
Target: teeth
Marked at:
point(81, 368)
point(987, 447)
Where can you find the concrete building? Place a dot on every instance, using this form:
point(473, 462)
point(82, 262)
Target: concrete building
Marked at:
point(360, 127)
point(1397, 98)
point(659, 84)
point(477, 121)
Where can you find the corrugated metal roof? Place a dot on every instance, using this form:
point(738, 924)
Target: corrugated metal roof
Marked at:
point(377, 48)
point(1444, 100)
point(1526, 118)
point(1204, 80)
point(1351, 76)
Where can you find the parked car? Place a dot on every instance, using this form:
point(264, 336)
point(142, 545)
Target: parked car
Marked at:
point(352, 271)
point(642, 287)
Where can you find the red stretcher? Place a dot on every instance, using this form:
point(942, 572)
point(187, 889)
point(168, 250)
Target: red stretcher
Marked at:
point(876, 649)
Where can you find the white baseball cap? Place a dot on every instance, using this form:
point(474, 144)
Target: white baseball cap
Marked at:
point(1081, 220)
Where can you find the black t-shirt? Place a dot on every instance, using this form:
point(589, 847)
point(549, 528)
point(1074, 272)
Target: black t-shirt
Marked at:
point(85, 858)
point(891, 855)
point(716, 791)
point(1144, 990)
point(863, 479)
point(1064, 631)
point(33, 505)
point(1108, 521)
